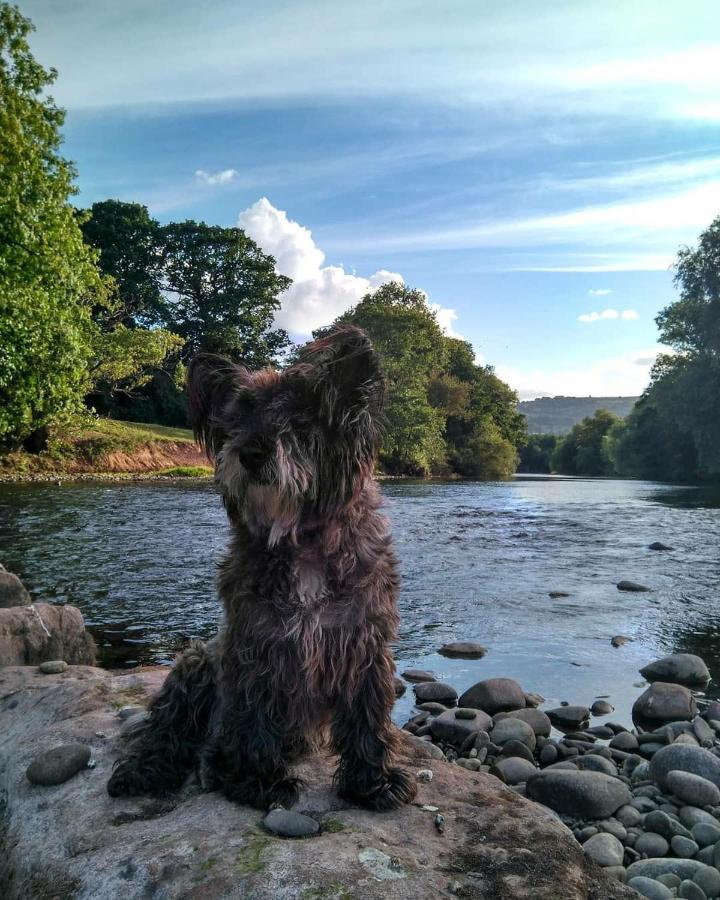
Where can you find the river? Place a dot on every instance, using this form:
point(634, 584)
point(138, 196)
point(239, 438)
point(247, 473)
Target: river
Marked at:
point(478, 563)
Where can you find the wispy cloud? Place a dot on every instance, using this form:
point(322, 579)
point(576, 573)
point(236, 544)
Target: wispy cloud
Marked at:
point(599, 292)
point(626, 314)
point(624, 375)
point(223, 177)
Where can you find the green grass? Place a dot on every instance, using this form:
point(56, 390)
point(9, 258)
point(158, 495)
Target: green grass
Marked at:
point(186, 472)
point(84, 444)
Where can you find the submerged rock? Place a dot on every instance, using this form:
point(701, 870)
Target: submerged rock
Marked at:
point(633, 587)
point(418, 675)
point(680, 668)
point(658, 545)
point(463, 650)
point(437, 691)
point(568, 717)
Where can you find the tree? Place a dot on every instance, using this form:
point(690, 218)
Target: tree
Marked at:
point(536, 454)
point(674, 430)
point(222, 292)
point(405, 332)
point(584, 451)
point(48, 279)
point(128, 242)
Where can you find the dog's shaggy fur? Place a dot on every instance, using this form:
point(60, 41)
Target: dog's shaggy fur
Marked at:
point(309, 587)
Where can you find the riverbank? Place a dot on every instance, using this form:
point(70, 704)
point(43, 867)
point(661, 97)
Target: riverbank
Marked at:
point(108, 450)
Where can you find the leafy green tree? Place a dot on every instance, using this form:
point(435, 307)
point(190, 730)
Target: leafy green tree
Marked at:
point(536, 453)
point(128, 241)
point(584, 451)
point(222, 292)
point(126, 358)
point(485, 454)
point(48, 278)
point(405, 332)
point(673, 432)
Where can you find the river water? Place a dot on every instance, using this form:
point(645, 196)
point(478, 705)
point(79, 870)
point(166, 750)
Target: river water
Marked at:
point(478, 563)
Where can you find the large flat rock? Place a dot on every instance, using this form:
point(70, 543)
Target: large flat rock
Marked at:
point(73, 841)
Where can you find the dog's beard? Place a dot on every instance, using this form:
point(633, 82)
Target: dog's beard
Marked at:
point(267, 506)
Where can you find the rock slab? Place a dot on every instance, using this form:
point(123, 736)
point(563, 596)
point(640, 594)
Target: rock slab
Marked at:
point(73, 840)
point(30, 635)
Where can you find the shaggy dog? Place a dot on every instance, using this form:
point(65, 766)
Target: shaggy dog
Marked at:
point(309, 586)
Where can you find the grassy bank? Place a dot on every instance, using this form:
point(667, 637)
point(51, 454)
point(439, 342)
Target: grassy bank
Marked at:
point(107, 448)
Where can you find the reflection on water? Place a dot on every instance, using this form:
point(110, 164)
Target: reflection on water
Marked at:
point(478, 562)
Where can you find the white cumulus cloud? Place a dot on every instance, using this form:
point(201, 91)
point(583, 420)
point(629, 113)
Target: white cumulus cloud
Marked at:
point(319, 293)
point(608, 314)
point(223, 177)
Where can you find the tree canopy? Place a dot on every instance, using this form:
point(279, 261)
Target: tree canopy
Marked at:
point(49, 283)
point(674, 430)
point(444, 412)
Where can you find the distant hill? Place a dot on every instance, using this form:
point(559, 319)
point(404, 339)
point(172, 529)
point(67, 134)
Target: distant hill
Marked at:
point(557, 415)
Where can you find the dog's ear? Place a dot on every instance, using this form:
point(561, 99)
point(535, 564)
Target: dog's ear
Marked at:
point(344, 370)
point(210, 383)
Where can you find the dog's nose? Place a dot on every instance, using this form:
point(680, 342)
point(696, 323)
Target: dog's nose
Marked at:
point(253, 456)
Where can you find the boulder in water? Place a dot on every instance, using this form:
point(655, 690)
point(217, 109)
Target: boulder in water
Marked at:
point(680, 668)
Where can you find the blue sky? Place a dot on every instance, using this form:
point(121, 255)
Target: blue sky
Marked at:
point(532, 166)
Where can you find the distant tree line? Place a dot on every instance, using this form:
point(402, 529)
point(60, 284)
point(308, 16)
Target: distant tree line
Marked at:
point(673, 431)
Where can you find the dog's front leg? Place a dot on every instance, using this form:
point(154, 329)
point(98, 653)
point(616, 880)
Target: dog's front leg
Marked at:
point(248, 757)
point(364, 737)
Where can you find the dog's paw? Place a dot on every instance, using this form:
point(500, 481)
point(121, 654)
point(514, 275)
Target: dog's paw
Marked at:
point(125, 780)
point(283, 793)
point(394, 789)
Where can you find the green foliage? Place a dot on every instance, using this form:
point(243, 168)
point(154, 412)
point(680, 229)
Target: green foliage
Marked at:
point(442, 409)
point(126, 357)
point(48, 279)
point(224, 292)
point(585, 450)
point(186, 472)
point(537, 452)
point(485, 453)
point(673, 432)
point(128, 243)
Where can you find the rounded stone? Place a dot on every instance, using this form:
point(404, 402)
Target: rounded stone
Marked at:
point(463, 650)
point(398, 686)
point(12, 591)
point(513, 730)
point(286, 823)
point(601, 708)
point(658, 545)
point(661, 823)
point(450, 730)
point(624, 741)
point(432, 707)
point(688, 890)
point(683, 847)
point(683, 868)
point(649, 888)
point(463, 713)
point(605, 849)
point(708, 878)
point(652, 845)
point(535, 718)
point(692, 790)
point(418, 675)
point(58, 765)
point(685, 758)
point(663, 702)
point(593, 762)
point(494, 695)
point(680, 668)
point(53, 667)
point(691, 815)
point(705, 834)
point(513, 769)
point(437, 691)
point(517, 748)
point(568, 718)
point(628, 816)
point(590, 795)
